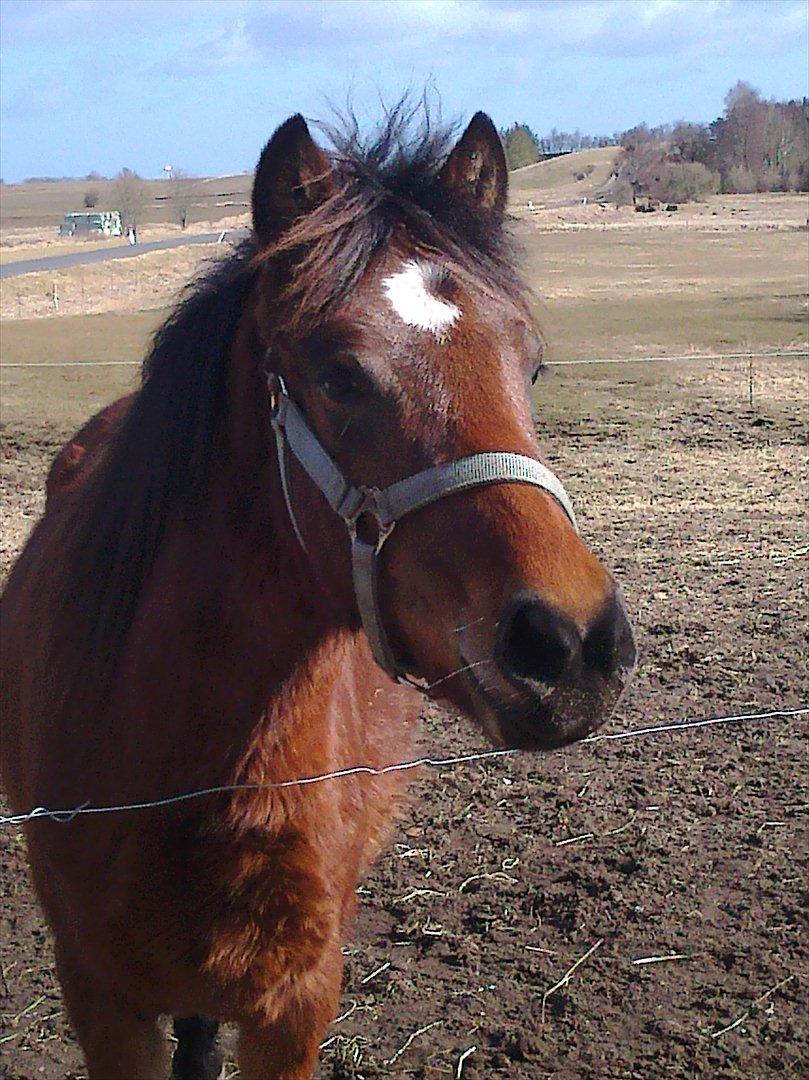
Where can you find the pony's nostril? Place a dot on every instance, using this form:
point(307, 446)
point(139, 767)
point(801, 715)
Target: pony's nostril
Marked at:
point(609, 645)
point(538, 643)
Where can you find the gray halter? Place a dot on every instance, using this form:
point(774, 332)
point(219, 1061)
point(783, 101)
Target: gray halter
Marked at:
point(360, 507)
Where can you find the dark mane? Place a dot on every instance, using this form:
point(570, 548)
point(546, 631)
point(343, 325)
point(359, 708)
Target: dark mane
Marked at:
point(157, 463)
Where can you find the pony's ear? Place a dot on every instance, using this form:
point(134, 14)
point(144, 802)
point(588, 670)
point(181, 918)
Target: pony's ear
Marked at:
point(293, 176)
point(476, 172)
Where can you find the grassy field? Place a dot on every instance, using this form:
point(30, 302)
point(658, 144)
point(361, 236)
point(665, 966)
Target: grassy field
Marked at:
point(58, 400)
point(628, 291)
point(149, 280)
point(42, 205)
point(31, 212)
point(555, 181)
point(721, 276)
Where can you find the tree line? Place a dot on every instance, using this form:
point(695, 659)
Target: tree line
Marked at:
point(756, 145)
point(525, 147)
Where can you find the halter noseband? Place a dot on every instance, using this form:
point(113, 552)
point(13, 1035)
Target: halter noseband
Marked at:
point(370, 514)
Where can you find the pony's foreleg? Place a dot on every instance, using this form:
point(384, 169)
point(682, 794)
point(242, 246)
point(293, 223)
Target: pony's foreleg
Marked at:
point(287, 1048)
point(198, 1056)
point(116, 1043)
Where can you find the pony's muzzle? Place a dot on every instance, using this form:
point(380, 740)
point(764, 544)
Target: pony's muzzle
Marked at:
point(551, 683)
point(540, 648)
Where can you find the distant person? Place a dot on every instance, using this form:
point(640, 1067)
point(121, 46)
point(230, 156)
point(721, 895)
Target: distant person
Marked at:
point(130, 236)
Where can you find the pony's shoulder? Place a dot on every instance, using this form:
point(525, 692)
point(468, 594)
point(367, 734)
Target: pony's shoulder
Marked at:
point(70, 464)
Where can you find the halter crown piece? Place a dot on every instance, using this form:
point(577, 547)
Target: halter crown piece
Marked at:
point(371, 514)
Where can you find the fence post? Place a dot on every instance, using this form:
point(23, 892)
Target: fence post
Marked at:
point(55, 297)
point(750, 380)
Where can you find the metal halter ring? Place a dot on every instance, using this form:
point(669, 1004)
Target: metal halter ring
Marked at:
point(368, 509)
point(277, 392)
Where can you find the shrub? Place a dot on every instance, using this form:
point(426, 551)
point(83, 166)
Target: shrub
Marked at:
point(740, 180)
point(91, 198)
point(620, 193)
point(685, 181)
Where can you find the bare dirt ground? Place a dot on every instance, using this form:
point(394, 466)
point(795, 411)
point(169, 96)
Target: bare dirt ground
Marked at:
point(686, 850)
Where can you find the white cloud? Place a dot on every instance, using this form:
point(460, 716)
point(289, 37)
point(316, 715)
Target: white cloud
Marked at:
point(235, 47)
point(231, 48)
point(431, 32)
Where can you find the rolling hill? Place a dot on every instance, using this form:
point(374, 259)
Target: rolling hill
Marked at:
point(553, 182)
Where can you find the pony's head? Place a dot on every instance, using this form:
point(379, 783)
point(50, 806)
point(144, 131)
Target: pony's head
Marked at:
point(389, 306)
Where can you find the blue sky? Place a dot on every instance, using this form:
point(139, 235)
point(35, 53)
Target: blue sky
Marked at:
point(102, 84)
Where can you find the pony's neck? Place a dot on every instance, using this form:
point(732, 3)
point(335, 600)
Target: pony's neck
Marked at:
point(299, 598)
point(238, 629)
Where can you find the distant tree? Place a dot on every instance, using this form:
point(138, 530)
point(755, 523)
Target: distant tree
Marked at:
point(567, 142)
point(793, 145)
point(182, 195)
point(761, 145)
point(692, 142)
point(130, 197)
point(741, 136)
point(47, 179)
point(636, 138)
point(94, 176)
point(521, 146)
point(756, 145)
point(619, 192)
point(654, 163)
point(91, 198)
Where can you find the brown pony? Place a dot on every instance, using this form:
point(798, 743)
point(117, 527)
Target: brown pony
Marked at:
point(165, 630)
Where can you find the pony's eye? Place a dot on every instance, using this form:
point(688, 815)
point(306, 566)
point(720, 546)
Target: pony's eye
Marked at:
point(340, 383)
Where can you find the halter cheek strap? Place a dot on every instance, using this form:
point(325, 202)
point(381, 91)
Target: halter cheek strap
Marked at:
point(371, 514)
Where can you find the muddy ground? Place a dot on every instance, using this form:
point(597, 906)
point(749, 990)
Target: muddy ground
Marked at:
point(685, 850)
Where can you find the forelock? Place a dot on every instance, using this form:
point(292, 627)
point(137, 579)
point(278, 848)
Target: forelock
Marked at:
point(386, 188)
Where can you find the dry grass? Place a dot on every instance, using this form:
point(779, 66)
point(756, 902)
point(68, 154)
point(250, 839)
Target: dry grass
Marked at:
point(636, 284)
point(36, 206)
point(554, 182)
point(677, 285)
point(17, 245)
point(150, 280)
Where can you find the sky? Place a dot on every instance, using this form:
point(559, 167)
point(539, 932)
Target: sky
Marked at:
point(201, 84)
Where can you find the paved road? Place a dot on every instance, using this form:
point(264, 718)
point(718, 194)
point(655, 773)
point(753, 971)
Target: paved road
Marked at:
point(78, 258)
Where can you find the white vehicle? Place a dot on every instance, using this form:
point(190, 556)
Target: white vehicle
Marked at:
point(92, 223)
